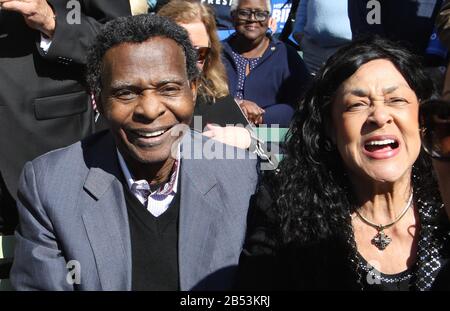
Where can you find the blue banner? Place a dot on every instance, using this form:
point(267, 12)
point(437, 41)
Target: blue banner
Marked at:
point(280, 12)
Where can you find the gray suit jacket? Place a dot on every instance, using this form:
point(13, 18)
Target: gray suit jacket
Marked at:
point(71, 206)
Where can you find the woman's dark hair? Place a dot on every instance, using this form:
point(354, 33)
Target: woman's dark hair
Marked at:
point(311, 188)
point(135, 29)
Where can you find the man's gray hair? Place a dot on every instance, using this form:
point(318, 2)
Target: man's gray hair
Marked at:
point(235, 4)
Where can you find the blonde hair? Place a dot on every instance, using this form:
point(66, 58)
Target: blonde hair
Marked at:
point(213, 78)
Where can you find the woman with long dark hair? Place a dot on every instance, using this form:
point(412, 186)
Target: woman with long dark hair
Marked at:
point(354, 204)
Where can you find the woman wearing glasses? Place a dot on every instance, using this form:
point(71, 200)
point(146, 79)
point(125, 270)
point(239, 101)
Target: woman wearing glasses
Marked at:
point(266, 76)
point(216, 113)
point(355, 205)
point(215, 108)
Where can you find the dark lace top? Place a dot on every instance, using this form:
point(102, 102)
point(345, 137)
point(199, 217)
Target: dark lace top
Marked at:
point(432, 252)
point(374, 280)
point(333, 263)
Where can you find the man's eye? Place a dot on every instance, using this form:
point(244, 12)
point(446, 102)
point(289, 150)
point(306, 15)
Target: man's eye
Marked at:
point(125, 94)
point(170, 90)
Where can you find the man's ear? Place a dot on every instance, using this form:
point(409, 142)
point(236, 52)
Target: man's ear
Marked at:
point(98, 100)
point(193, 84)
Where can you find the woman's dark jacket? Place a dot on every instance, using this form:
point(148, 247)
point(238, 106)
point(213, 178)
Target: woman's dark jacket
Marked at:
point(268, 264)
point(275, 84)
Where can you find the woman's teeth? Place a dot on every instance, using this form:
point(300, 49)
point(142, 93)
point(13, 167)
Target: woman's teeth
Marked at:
point(380, 142)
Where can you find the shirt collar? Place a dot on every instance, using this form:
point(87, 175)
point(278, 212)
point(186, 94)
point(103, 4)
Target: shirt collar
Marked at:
point(167, 188)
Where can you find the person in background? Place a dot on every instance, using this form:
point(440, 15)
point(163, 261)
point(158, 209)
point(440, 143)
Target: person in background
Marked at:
point(443, 23)
point(224, 22)
point(43, 103)
point(264, 74)
point(321, 28)
point(436, 126)
point(435, 130)
point(409, 22)
point(216, 113)
point(214, 104)
point(442, 164)
point(143, 205)
point(355, 204)
point(222, 16)
point(443, 30)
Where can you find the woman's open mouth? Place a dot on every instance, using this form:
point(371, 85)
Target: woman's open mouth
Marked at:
point(381, 147)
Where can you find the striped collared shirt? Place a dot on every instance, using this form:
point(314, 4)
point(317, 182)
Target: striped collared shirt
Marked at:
point(158, 201)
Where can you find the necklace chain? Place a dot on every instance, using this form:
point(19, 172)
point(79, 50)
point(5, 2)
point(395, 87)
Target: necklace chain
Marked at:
point(382, 227)
point(381, 240)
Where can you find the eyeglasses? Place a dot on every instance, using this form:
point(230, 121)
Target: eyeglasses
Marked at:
point(202, 53)
point(246, 14)
point(435, 125)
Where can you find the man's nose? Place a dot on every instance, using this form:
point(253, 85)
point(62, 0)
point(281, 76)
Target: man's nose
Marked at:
point(150, 106)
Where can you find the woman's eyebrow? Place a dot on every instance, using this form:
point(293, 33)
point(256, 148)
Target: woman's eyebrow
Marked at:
point(359, 92)
point(364, 93)
point(390, 89)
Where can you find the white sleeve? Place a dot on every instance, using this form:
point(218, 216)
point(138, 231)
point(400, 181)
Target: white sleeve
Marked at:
point(45, 43)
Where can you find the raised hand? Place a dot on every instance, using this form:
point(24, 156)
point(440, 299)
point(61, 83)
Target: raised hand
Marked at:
point(38, 14)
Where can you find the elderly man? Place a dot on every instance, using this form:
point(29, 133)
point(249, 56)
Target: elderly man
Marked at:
point(129, 209)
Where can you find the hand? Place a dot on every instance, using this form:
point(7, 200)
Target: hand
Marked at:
point(252, 111)
point(230, 135)
point(38, 14)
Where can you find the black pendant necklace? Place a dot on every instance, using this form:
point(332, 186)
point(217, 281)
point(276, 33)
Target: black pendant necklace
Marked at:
point(381, 240)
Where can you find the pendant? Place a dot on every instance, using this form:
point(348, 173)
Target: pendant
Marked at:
point(381, 240)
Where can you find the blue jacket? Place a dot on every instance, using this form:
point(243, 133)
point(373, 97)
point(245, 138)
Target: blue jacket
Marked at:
point(275, 84)
point(324, 22)
point(410, 22)
point(222, 11)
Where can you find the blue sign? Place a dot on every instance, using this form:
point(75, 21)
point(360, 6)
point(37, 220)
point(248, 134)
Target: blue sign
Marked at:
point(280, 12)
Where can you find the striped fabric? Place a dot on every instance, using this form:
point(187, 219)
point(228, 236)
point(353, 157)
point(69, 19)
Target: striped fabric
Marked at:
point(158, 201)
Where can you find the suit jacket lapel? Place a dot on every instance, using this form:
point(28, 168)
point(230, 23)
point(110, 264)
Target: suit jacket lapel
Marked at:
point(200, 206)
point(105, 216)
